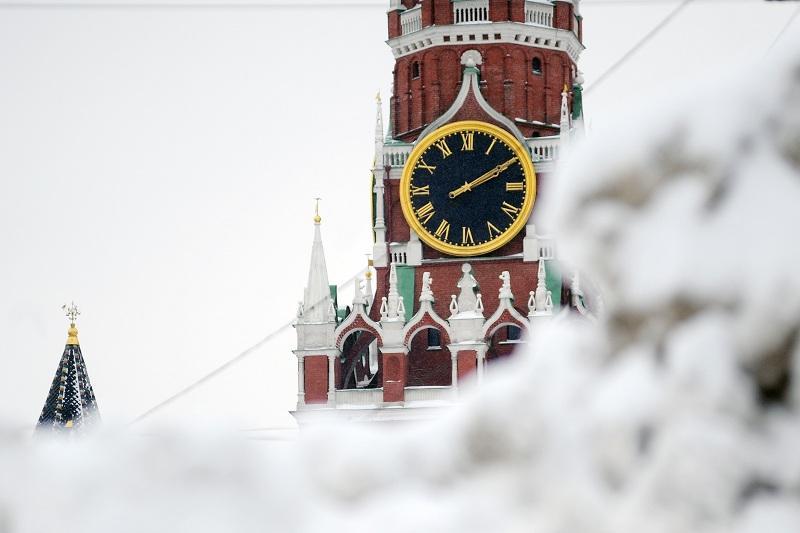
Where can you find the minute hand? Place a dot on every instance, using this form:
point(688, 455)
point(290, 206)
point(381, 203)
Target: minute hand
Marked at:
point(482, 178)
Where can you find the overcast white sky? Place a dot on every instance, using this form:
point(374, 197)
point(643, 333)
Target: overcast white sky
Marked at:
point(158, 166)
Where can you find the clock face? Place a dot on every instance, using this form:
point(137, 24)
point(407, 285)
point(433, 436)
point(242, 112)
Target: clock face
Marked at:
point(468, 188)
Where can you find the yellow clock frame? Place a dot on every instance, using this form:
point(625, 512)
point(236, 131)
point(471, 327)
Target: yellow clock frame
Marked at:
point(501, 240)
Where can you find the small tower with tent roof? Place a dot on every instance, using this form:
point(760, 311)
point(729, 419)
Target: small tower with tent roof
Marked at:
point(70, 403)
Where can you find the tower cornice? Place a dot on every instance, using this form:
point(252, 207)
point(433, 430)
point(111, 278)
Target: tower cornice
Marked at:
point(515, 33)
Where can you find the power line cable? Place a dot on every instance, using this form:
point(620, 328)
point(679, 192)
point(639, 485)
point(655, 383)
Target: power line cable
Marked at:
point(785, 27)
point(260, 4)
point(639, 44)
point(228, 364)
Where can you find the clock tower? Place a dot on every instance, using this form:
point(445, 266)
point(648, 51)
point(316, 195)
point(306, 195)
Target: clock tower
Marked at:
point(486, 95)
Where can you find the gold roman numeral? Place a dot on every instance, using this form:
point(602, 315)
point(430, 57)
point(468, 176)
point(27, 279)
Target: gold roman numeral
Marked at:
point(510, 210)
point(467, 141)
point(443, 231)
point(493, 231)
point(426, 166)
point(441, 144)
point(491, 146)
point(424, 190)
point(466, 235)
point(512, 186)
point(425, 213)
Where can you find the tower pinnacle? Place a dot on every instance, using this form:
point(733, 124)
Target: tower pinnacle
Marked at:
point(317, 298)
point(564, 131)
point(72, 313)
point(378, 162)
point(70, 403)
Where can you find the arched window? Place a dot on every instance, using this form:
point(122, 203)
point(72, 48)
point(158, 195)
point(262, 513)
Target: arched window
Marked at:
point(434, 339)
point(415, 69)
point(536, 65)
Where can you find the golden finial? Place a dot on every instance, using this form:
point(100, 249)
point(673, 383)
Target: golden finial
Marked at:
point(317, 218)
point(378, 97)
point(566, 89)
point(72, 313)
point(369, 267)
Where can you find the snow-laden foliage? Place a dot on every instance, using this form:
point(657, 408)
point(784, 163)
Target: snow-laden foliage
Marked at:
point(677, 412)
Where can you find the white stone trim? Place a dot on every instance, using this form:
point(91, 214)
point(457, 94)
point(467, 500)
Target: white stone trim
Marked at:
point(471, 79)
point(301, 382)
point(327, 352)
point(426, 308)
point(351, 318)
point(532, 35)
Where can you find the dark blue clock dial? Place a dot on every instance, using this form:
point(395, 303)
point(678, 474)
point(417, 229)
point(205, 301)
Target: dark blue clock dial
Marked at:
point(468, 188)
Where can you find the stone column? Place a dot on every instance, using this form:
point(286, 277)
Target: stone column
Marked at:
point(332, 380)
point(468, 357)
point(301, 381)
point(454, 370)
point(481, 363)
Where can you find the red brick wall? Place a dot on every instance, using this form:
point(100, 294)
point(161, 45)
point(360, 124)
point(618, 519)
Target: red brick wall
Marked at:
point(442, 12)
point(467, 363)
point(498, 11)
point(507, 78)
point(428, 367)
point(394, 30)
point(517, 10)
point(316, 378)
point(562, 15)
point(446, 275)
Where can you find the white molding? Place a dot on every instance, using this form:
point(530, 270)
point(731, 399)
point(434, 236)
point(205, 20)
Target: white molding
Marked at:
point(510, 33)
point(351, 318)
point(470, 76)
point(494, 323)
point(327, 352)
point(426, 308)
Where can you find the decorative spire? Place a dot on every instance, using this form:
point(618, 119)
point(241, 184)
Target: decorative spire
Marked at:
point(378, 161)
point(395, 308)
point(453, 305)
point(564, 133)
point(577, 104)
point(317, 296)
point(358, 296)
point(368, 296)
point(541, 301)
point(72, 313)
point(70, 404)
point(388, 136)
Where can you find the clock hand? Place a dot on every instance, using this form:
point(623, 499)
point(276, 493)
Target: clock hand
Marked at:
point(483, 178)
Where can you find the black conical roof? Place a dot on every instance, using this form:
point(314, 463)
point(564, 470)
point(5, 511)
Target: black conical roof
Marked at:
point(70, 403)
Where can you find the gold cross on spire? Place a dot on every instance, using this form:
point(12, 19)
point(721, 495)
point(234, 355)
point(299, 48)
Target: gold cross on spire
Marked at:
point(317, 218)
point(71, 311)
